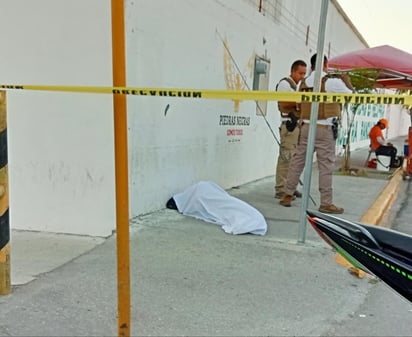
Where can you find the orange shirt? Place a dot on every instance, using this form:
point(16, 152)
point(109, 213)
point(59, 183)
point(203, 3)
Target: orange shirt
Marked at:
point(374, 133)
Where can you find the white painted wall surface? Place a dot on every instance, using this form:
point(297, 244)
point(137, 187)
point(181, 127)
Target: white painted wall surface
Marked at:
point(181, 46)
point(61, 144)
point(367, 116)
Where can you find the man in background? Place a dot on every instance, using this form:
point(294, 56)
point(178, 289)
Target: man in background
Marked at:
point(378, 141)
point(289, 130)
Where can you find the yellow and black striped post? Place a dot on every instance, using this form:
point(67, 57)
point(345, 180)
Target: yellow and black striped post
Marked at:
point(5, 284)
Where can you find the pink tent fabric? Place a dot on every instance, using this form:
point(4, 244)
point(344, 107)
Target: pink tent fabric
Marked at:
point(394, 65)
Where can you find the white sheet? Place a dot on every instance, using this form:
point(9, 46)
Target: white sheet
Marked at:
point(207, 201)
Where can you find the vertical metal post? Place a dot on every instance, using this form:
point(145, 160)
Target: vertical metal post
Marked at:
point(121, 162)
point(5, 279)
point(313, 119)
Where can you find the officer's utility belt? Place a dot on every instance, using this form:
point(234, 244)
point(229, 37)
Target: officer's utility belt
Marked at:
point(334, 126)
point(285, 119)
point(291, 122)
point(325, 126)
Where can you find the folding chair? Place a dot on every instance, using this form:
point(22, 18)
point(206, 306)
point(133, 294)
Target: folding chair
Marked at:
point(369, 156)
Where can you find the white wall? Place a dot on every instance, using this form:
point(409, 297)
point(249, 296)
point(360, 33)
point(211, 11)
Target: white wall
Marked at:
point(181, 46)
point(61, 144)
point(366, 117)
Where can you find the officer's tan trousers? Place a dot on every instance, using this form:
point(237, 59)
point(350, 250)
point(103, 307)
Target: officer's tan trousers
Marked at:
point(288, 143)
point(325, 155)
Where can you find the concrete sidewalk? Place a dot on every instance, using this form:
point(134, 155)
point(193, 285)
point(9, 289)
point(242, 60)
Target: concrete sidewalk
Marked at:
point(190, 278)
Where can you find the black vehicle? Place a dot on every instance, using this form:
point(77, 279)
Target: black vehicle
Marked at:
point(383, 252)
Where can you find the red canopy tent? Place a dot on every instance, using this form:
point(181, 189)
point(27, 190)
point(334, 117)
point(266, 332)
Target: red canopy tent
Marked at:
point(394, 65)
point(394, 68)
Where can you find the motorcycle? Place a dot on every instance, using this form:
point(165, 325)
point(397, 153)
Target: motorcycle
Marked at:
point(383, 252)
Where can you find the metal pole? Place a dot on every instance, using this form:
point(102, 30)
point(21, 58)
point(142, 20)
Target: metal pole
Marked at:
point(5, 279)
point(121, 168)
point(312, 126)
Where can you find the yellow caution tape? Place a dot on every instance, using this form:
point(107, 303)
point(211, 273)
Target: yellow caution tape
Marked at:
point(241, 95)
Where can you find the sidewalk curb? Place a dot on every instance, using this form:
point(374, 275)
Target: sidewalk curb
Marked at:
point(375, 213)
